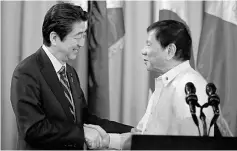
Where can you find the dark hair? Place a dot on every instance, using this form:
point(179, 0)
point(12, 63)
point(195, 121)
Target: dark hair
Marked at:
point(60, 18)
point(171, 31)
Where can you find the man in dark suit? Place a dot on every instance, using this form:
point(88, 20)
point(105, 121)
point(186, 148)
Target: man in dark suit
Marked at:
point(46, 96)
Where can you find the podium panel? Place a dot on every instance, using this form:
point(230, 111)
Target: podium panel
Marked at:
point(155, 142)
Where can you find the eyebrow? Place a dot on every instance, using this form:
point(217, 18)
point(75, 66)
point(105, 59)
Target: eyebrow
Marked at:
point(81, 32)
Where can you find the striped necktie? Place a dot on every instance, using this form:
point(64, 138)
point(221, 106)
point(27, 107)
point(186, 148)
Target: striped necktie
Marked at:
point(67, 91)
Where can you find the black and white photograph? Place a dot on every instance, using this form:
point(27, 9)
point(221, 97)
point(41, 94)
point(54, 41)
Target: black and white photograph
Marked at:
point(118, 75)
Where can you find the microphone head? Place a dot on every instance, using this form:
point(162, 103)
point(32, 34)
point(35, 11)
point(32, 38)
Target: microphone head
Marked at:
point(190, 88)
point(210, 89)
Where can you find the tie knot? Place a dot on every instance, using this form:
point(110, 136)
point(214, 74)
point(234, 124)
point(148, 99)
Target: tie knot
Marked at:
point(62, 71)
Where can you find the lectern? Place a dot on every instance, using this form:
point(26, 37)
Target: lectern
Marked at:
point(155, 142)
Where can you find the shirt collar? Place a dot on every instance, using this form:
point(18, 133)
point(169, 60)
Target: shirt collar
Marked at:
point(172, 73)
point(56, 64)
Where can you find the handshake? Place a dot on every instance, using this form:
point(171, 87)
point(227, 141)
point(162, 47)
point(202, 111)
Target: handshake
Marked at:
point(97, 138)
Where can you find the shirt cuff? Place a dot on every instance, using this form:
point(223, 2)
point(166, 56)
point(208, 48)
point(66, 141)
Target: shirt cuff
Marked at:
point(115, 141)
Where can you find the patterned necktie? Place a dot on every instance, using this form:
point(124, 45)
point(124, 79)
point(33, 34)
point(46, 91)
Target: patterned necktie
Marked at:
point(67, 91)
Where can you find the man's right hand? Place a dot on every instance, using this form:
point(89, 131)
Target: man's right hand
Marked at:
point(92, 137)
point(105, 139)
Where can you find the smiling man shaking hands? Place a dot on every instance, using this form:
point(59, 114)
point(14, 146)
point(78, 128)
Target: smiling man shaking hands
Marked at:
point(46, 96)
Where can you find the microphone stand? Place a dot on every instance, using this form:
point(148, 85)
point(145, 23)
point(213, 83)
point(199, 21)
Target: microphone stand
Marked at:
point(215, 117)
point(203, 119)
point(193, 113)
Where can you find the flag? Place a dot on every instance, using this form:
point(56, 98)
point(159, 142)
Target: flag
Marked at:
point(98, 68)
point(217, 55)
point(116, 33)
point(106, 43)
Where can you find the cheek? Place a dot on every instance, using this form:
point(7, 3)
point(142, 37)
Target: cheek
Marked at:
point(71, 49)
point(72, 44)
point(152, 54)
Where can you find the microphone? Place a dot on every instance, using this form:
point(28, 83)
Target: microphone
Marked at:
point(191, 97)
point(213, 98)
point(214, 101)
point(191, 100)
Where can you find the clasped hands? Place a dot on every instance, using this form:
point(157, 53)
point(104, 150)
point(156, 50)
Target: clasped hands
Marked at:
point(97, 138)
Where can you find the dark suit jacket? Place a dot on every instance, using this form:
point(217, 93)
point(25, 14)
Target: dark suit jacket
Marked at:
point(42, 112)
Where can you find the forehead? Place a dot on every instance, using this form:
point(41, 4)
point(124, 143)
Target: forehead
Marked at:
point(151, 35)
point(78, 27)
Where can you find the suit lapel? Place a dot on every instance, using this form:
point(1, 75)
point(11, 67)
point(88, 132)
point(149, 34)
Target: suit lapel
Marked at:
point(75, 93)
point(52, 80)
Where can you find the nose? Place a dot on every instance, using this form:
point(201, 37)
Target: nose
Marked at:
point(81, 42)
point(144, 51)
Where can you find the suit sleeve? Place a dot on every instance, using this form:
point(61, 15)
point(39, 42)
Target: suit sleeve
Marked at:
point(33, 124)
point(108, 126)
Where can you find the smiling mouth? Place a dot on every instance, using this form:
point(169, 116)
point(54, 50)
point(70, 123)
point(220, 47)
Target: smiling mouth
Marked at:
point(77, 50)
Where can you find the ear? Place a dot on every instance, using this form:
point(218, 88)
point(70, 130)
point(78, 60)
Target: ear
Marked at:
point(53, 37)
point(171, 49)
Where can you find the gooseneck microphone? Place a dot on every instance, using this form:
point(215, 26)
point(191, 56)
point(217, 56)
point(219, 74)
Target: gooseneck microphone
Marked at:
point(213, 98)
point(192, 101)
point(214, 101)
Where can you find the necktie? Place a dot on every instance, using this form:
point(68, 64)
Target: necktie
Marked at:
point(67, 91)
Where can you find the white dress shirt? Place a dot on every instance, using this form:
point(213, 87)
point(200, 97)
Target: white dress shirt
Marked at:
point(167, 112)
